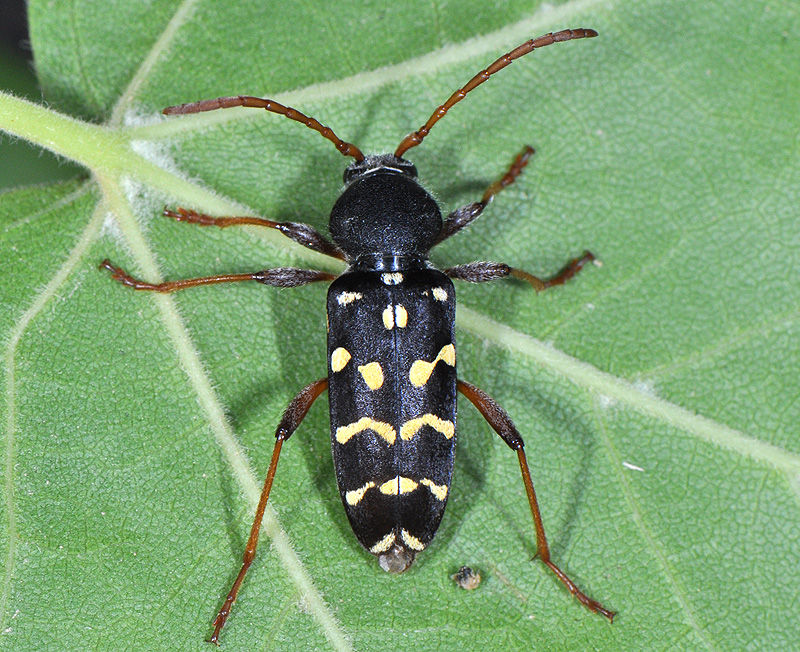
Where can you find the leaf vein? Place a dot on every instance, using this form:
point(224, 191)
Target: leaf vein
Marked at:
point(604, 384)
point(41, 300)
point(225, 437)
point(180, 17)
point(652, 543)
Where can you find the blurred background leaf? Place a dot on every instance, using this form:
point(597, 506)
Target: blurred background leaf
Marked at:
point(22, 163)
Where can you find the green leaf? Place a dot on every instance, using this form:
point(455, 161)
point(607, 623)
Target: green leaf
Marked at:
point(657, 395)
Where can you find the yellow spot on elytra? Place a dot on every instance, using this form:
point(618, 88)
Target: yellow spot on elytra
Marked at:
point(384, 544)
point(412, 426)
point(448, 355)
point(438, 490)
point(388, 318)
point(440, 294)
point(406, 485)
point(389, 487)
point(372, 374)
point(421, 370)
point(395, 278)
point(411, 541)
point(339, 359)
point(385, 430)
point(355, 496)
point(400, 316)
point(394, 315)
point(348, 297)
point(398, 485)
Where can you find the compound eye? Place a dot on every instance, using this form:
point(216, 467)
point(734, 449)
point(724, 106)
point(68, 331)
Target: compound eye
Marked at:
point(406, 167)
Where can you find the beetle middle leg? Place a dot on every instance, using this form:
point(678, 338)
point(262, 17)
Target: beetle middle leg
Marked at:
point(488, 271)
point(499, 420)
point(282, 277)
point(481, 272)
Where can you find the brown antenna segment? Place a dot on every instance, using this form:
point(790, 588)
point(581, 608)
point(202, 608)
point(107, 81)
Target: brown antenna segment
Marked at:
point(415, 138)
point(345, 148)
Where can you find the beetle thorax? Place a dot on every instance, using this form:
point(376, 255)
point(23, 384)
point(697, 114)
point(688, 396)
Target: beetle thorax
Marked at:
point(383, 210)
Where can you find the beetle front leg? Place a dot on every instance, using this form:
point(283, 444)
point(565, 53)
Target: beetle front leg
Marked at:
point(303, 234)
point(499, 420)
point(464, 216)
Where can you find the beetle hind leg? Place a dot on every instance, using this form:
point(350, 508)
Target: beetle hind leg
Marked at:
point(499, 420)
point(292, 417)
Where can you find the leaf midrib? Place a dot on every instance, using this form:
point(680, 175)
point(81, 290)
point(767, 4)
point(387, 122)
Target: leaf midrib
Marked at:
point(619, 390)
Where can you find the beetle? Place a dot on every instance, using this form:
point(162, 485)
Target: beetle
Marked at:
point(391, 380)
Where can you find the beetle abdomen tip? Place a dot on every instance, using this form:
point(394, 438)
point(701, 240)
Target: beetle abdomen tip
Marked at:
point(396, 560)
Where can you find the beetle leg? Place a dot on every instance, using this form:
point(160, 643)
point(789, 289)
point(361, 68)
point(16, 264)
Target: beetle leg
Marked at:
point(282, 277)
point(483, 271)
point(303, 234)
point(292, 417)
point(499, 420)
point(465, 215)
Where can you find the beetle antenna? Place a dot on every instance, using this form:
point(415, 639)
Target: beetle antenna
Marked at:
point(345, 148)
point(415, 138)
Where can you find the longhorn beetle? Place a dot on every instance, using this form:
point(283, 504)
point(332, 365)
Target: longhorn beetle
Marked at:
point(391, 349)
